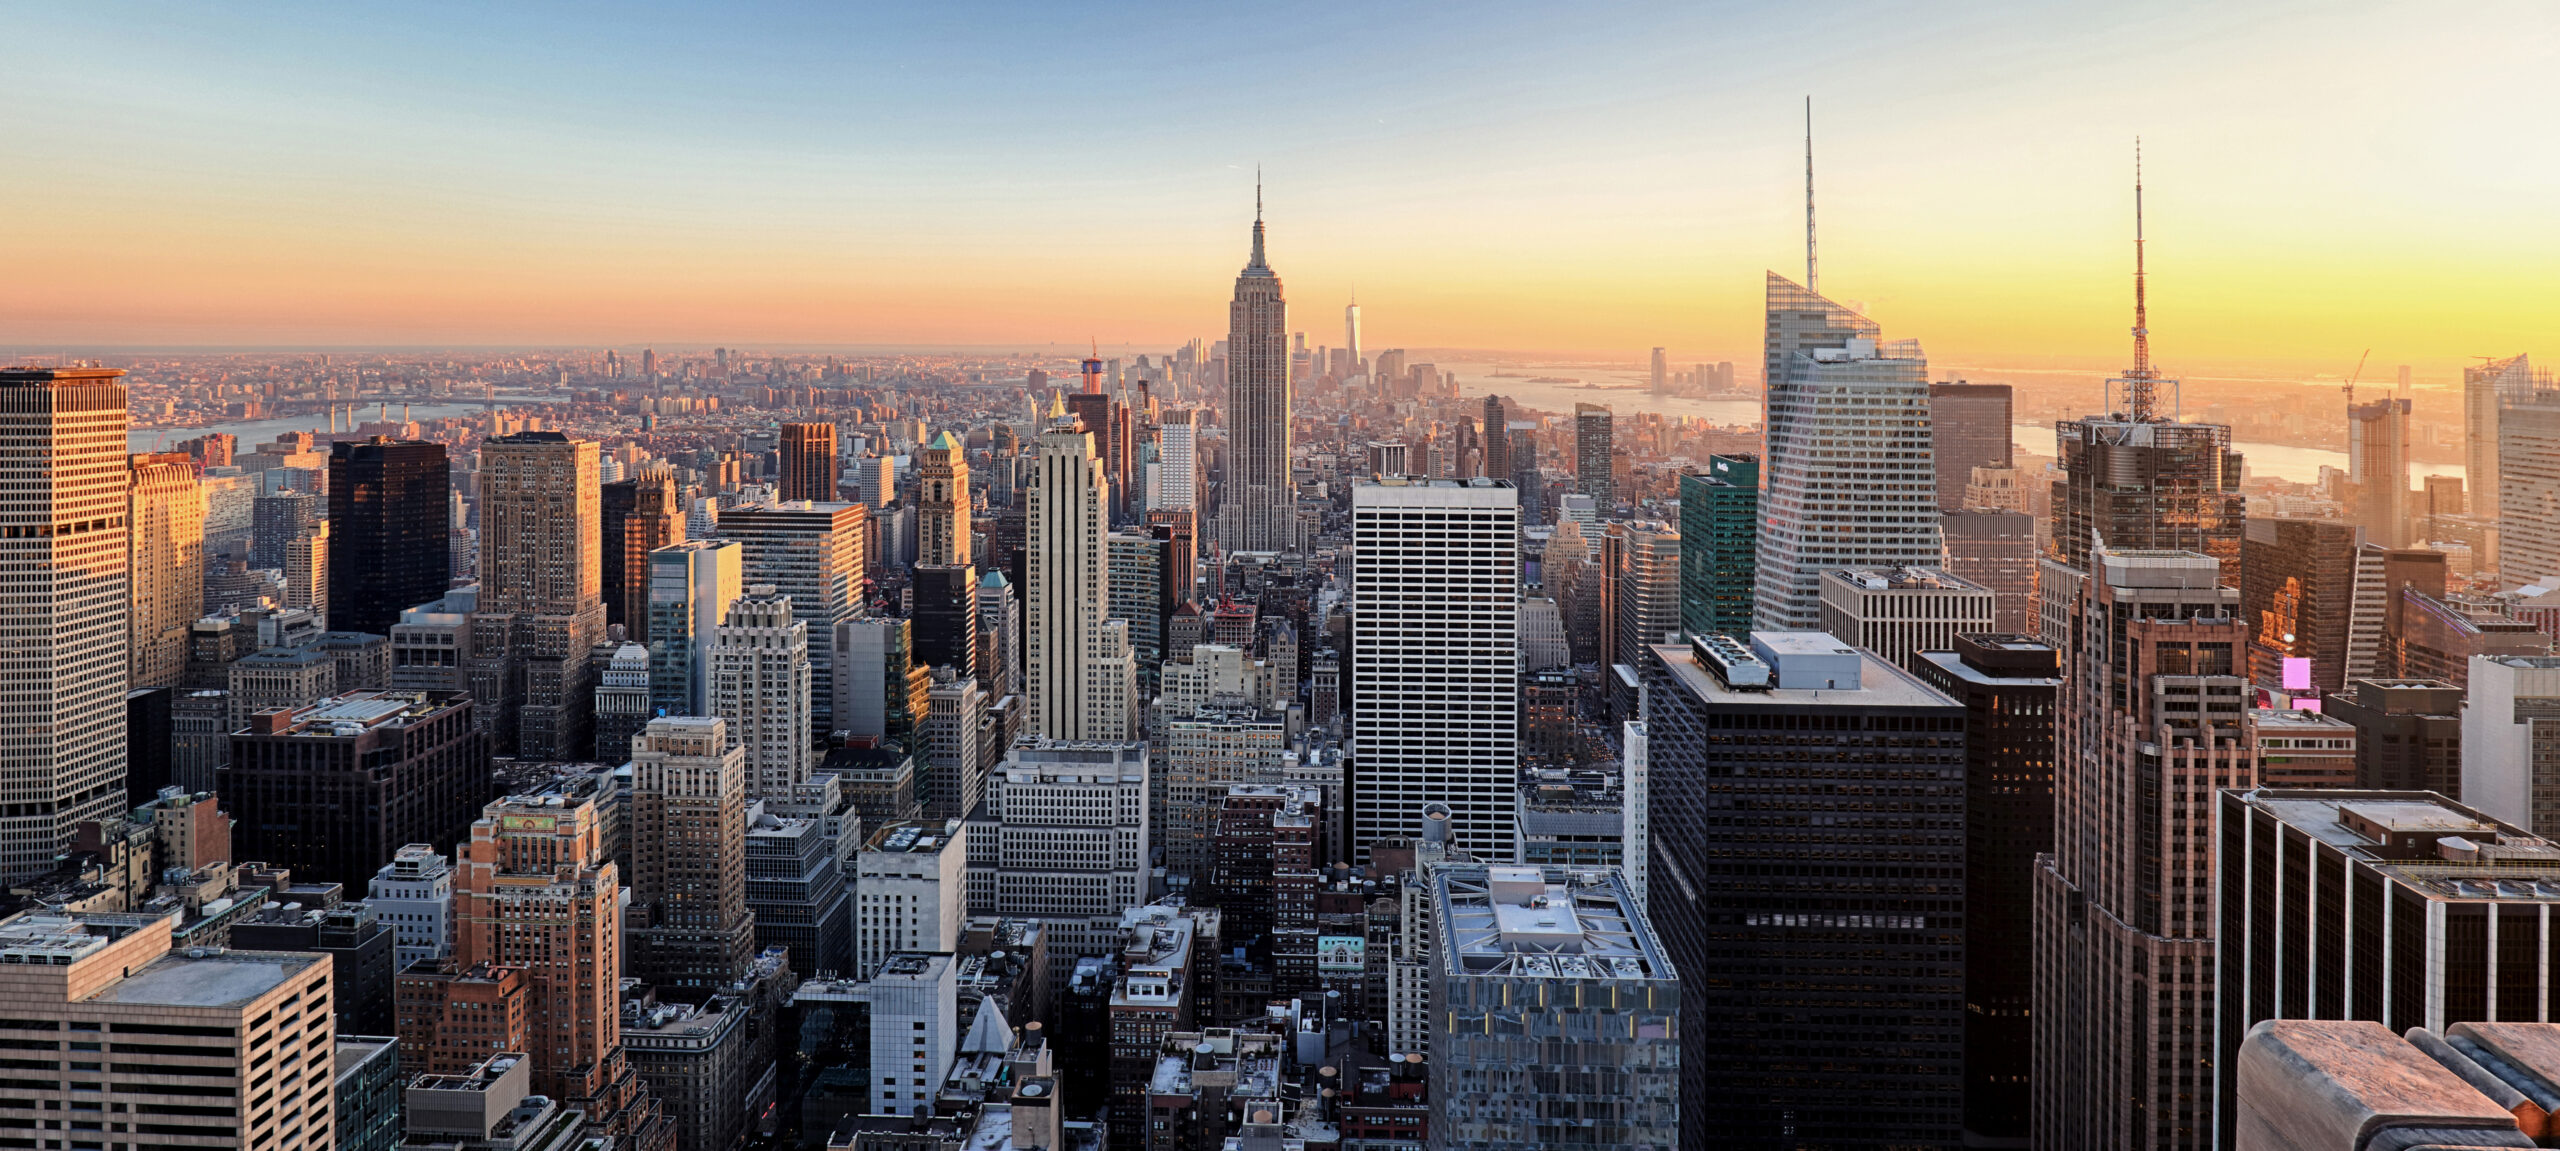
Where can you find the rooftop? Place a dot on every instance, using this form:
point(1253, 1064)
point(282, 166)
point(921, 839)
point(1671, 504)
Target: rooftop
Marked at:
point(1545, 923)
point(918, 837)
point(2430, 844)
point(1903, 579)
point(208, 977)
point(1880, 683)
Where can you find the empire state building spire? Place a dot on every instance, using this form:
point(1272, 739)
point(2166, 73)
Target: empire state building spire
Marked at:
point(1256, 266)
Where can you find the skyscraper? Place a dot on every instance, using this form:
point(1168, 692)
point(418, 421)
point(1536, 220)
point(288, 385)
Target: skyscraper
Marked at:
point(1497, 440)
point(1719, 532)
point(641, 515)
point(1851, 476)
point(1178, 463)
point(1259, 512)
point(2150, 729)
point(2378, 468)
point(541, 609)
point(1661, 373)
point(1435, 664)
point(814, 553)
point(689, 931)
point(1075, 651)
point(1779, 901)
point(2487, 388)
point(808, 462)
point(390, 532)
point(164, 565)
point(2297, 596)
point(1968, 429)
point(2528, 492)
point(1351, 333)
point(1898, 612)
point(1640, 562)
point(306, 573)
point(64, 635)
point(942, 503)
point(2008, 685)
point(1594, 442)
point(691, 586)
point(760, 688)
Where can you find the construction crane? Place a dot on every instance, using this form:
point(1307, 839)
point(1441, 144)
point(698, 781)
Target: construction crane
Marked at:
point(2352, 377)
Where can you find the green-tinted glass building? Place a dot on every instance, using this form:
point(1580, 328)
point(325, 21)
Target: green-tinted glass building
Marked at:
point(1719, 530)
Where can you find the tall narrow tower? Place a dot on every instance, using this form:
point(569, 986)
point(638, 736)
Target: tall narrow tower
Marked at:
point(1351, 332)
point(63, 625)
point(1259, 511)
point(541, 590)
point(165, 568)
point(1076, 654)
point(690, 932)
point(390, 533)
point(942, 512)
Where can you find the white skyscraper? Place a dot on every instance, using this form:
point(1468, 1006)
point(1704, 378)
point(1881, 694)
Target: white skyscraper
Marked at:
point(1852, 481)
point(1178, 464)
point(915, 1030)
point(1064, 837)
point(954, 770)
point(1076, 659)
point(2485, 389)
point(760, 685)
point(63, 631)
point(910, 891)
point(414, 895)
point(1351, 333)
point(1435, 659)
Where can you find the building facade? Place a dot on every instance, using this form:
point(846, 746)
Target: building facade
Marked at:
point(688, 930)
point(1719, 534)
point(1898, 613)
point(760, 690)
point(164, 566)
point(334, 790)
point(541, 607)
point(390, 531)
point(1258, 507)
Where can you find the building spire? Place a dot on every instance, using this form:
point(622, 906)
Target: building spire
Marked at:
point(1812, 270)
point(1257, 264)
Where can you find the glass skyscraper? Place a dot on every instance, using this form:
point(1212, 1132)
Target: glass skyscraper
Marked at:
point(1719, 531)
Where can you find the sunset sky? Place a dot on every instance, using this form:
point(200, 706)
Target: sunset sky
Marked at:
point(2323, 178)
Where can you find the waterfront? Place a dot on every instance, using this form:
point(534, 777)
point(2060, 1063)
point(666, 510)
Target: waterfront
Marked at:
point(254, 432)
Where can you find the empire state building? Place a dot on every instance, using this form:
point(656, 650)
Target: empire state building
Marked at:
point(1259, 510)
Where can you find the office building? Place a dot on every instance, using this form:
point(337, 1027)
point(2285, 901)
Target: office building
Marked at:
point(622, 705)
point(1259, 510)
point(2441, 638)
point(1178, 463)
point(2150, 728)
point(2378, 469)
point(306, 573)
point(368, 1093)
point(760, 688)
point(1064, 838)
point(210, 1015)
point(334, 790)
point(414, 896)
point(1497, 440)
point(2408, 734)
point(356, 941)
point(1851, 481)
point(1206, 753)
point(813, 553)
point(1719, 538)
point(715, 1062)
point(957, 743)
point(691, 586)
point(1562, 1018)
point(451, 1018)
point(2009, 686)
point(541, 607)
point(1586, 817)
point(808, 458)
point(2528, 486)
point(688, 930)
point(2509, 768)
point(798, 885)
point(880, 689)
point(1996, 549)
point(164, 565)
point(945, 615)
point(1640, 589)
point(276, 519)
point(1969, 427)
point(910, 891)
point(2384, 577)
point(2297, 594)
point(390, 531)
point(2487, 389)
point(999, 663)
point(2403, 908)
point(915, 1030)
point(641, 515)
point(2300, 748)
point(1137, 596)
point(2145, 482)
point(1776, 919)
point(1078, 671)
point(1435, 675)
point(1898, 613)
point(1594, 439)
point(942, 503)
point(64, 635)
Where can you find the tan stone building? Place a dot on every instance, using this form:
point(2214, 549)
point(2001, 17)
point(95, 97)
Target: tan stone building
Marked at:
point(164, 564)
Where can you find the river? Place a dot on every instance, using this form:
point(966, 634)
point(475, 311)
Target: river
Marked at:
point(255, 432)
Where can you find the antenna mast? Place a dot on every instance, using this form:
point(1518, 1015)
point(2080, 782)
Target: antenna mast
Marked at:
point(2139, 381)
point(1812, 270)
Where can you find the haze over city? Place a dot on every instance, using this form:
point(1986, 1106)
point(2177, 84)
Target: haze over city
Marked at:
point(1591, 181)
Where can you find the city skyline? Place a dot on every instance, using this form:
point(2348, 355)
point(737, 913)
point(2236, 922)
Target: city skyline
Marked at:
point(437, 196)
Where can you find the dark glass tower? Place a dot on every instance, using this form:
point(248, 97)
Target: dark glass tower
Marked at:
point(390, 531)
point(1968, 428)
point(946, 617)
point(1719, 537)
point(2008, 685)
point(1807, 877)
